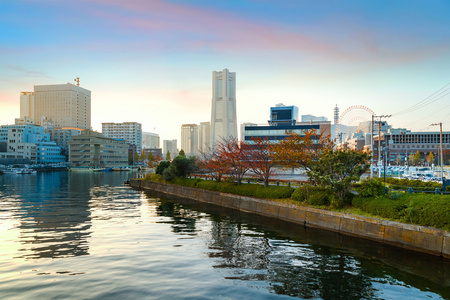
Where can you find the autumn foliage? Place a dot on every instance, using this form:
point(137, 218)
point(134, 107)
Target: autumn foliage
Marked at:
point(301, 151)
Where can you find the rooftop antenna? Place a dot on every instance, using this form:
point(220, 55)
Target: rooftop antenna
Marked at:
point(77, 80)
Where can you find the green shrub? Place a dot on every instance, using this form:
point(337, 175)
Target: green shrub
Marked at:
point(371, 188)
point(319, 198)
point(161, 167)
point(395, 195)
point(154, 177)
point(168, 174)
point(301, 194)
point(421, 209)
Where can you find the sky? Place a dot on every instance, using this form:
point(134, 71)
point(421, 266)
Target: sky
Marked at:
point(151, 61)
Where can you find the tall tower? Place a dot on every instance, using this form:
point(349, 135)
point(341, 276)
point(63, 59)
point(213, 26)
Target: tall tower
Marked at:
point(336, 114)
point(223, 110)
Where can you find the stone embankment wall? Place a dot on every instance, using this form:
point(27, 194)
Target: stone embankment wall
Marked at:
point(418, 238)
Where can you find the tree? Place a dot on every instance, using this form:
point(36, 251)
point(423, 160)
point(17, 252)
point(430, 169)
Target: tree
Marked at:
point(261, 158)
point(168, 156)
point(234, 155)
point(180, 167)
point(212, 164)
point(446, 155)
point(153, 161)
point(163, 165)
point(150, 156)
point(301, 151)
point(417, 158)
point(136, 157)
point(142, 157)
point(337, 169)
point(398, 160)
point(181, 153)
point(430, 158)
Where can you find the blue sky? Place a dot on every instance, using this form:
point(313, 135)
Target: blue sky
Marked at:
point(151, 61)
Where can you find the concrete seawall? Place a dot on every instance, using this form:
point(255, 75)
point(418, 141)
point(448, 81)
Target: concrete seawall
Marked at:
point(413, 237)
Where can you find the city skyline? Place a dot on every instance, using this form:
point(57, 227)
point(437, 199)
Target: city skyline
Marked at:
point(151, 62)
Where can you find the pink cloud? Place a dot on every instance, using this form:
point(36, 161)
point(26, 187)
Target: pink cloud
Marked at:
point(208, 28)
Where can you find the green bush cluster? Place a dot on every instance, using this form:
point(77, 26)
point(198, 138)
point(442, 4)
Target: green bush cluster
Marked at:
point(370, 188)
point(320, 196)
point(411, 182)
point(421, 209)
point(313, 195)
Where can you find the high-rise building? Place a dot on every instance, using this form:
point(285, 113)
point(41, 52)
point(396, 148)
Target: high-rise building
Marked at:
point(171, 147)
point(204, 137)
point(223, 110)
point(27, 105)
point(189, 139)
point(67, 105)
point(130, 132)
point(150, 140)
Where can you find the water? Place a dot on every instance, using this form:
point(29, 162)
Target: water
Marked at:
point(87, 236)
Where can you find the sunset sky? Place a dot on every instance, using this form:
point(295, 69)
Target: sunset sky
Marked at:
point(151, 61)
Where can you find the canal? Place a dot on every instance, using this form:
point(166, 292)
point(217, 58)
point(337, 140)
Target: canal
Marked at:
point(68, 235)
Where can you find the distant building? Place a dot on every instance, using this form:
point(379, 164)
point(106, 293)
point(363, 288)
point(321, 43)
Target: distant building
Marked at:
point(171, 147)
point(283, 115)
point(62, 136)
point(24, 121)
point(150, 140)
point(401, 143)
point(92, 149)
point(32, 143)
point(27, 105)
point(223, 110)
point(243, 126)
point(155, 152)
point(67, 105)
point(189, 139)
point(130, 132)
point(282, 123)
point(311, 118)
point(204, 136)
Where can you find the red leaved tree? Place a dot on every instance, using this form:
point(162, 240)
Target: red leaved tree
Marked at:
point(234, 155)
point(211, 163)
point(261, 158)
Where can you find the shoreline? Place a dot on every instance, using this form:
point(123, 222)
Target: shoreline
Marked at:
point(413, 237)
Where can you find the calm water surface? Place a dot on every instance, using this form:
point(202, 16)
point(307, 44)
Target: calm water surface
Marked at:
point(87, 236)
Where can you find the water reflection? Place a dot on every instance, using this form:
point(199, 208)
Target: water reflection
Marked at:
point(56, 209)
point(305, 262)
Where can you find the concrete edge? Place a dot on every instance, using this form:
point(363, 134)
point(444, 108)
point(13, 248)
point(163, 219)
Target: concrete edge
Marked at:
point(418, 238)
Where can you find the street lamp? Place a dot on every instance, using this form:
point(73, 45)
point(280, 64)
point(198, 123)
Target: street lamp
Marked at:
point(440, 146)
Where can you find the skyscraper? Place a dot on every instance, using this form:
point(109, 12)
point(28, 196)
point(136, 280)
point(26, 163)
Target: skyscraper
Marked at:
point(204, 136)
point(223, 110)
point(67, 105)
point(189, 139)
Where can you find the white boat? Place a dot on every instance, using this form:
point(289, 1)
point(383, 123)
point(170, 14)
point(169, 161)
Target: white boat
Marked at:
point(25, 171)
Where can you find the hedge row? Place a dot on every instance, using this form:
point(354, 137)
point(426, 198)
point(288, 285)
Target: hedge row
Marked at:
point(411, 182)
point(250, 190)
point(420, 209)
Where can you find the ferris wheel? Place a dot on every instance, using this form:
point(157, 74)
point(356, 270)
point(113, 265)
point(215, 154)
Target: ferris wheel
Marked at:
point(350, 120)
